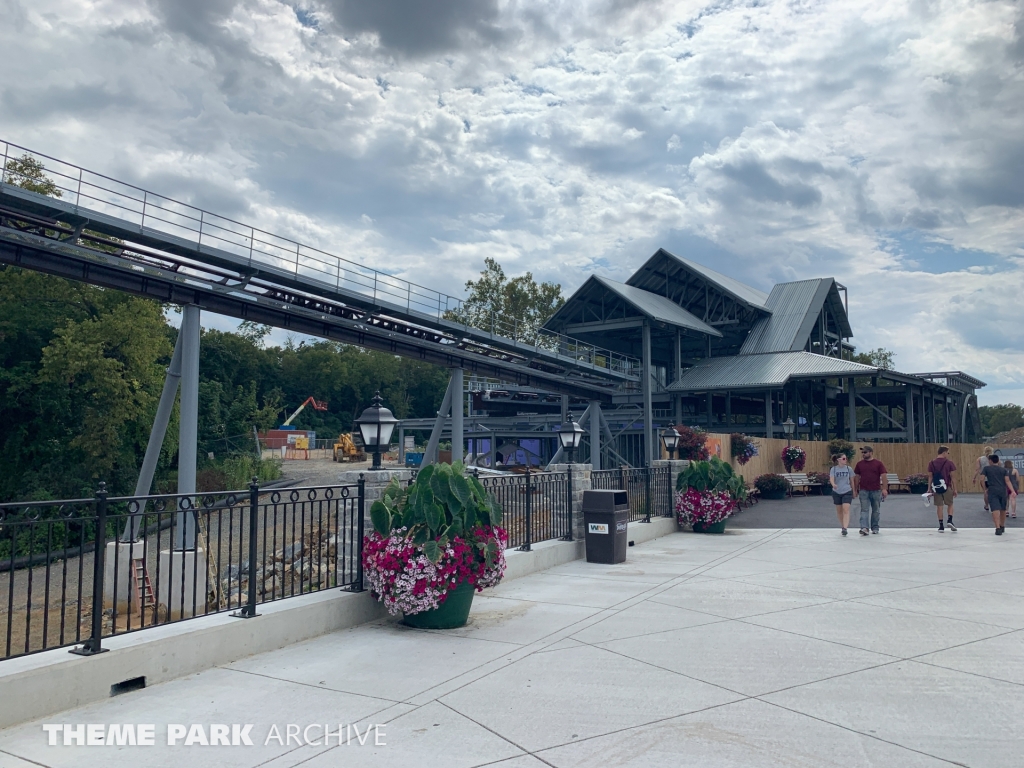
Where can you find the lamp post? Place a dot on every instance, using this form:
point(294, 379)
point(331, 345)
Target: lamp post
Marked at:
point(569, 435)
point(670, 438)
point(788, 426)
point(376, 425)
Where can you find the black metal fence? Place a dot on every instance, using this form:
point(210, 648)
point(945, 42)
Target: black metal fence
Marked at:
point(649, 489)
point(166, 558)
point(537, 506)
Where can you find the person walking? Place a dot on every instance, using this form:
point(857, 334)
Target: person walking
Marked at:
point(997, 480)
point(1015, 482)
point(943, 486)
point(979, 473)
point(872, 486)
point(841, 478)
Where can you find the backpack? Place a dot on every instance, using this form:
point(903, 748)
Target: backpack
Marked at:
point(939, 480)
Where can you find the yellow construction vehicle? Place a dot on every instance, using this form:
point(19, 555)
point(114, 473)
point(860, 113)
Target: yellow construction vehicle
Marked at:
point(345, 449)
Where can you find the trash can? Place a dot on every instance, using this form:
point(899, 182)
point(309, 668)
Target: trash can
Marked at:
point(606, 520)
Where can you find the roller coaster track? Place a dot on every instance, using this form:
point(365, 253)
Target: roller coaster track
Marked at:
point(118, 236)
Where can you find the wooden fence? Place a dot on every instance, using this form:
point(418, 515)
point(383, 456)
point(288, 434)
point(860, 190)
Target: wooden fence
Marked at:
point(902, 458)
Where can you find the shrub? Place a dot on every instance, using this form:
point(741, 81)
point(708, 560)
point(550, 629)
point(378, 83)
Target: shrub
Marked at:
point(916, 480)
point(770, 482)
point(839, 445)
point(743, 447)
point(691, 443)
point(793, 457)
point(820, 477)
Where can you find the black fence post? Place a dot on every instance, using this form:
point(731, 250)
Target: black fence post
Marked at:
point(529, 514)
point(248, 611)
point(360, 532)
point(568, 506)
point(650, 499)
point(94, 644)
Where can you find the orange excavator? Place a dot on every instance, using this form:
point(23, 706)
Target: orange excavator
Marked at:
point(317, 406)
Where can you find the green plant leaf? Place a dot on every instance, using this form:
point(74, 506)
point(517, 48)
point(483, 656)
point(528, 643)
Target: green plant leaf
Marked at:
point(494, 511)
point(421, 535)
point(458, 468)
point(461, 490)
point(439, 482)
point(479, 492)
point(432, 551)
point(435, 516)
point(394, 489)
point(380, 517)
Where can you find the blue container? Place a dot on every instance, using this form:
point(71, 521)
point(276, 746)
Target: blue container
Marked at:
point(413, 459)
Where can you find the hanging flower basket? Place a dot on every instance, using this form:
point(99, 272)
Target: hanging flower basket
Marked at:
point(743, 448)
point(794, 458)
point(434, 544)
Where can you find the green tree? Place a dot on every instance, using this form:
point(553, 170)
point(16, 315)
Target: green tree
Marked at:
point(516, 308)
point(29, 173)
point(1000, 418)
point(880, 358)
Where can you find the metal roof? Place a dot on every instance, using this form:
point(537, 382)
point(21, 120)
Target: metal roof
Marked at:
point(728, 285)
point(762, 371)
point(794, 311)
point(658, 307)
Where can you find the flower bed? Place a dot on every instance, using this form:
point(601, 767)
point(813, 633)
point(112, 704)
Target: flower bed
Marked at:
point(918, 483)
point(824, 481)
point(772, 486)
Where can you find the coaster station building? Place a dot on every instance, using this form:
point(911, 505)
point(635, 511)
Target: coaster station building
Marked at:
point(725, 357)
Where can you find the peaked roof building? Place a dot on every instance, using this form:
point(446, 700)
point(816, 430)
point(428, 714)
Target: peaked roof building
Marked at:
point(728, 357)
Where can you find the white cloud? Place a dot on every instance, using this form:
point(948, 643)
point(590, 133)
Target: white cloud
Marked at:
point(878, 142)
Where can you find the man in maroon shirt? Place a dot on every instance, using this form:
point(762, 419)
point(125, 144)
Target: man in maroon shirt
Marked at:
point(872, 485)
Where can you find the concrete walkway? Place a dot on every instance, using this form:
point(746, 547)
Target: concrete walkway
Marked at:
point(756, 648)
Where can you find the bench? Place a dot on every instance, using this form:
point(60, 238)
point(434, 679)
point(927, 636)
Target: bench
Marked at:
point(801, 481)
point(753, 497)
point(894, 480)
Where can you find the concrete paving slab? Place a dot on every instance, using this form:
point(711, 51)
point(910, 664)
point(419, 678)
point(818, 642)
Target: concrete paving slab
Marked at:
point(569, 590)
point(838, 586)
point(742, 565)
point(948, 714)
point(350, 661)
point(923, 573)
point(741, 735)
point(992, 608)
point(1003, 582)
point(642, 619)
point(216, 696)
point(418, 738)
point(897, 633)
point(733, 599)
point(746, 659)
point(520, 622)
point(553, 698)
point(10, 761)
point(1000, 657)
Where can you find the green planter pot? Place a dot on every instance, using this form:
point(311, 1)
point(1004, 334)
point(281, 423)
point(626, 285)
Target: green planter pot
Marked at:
point(718, 527)
point(454, 611)
point(773, 495)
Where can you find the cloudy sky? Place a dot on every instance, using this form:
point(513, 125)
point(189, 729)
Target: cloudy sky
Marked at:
point(878, 142)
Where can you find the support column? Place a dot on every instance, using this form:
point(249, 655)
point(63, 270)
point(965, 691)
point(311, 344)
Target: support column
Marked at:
point(768, 413)
point(908, 419)
point(156, 438)
point(458, 432)
point(401, 445)
point(595, 433)
point(430, 454)
point(728, 411)
point(649, 442)
point(852, 407)
point(188, 428)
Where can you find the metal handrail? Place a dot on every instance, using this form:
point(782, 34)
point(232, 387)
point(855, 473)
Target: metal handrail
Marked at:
point(166, 215)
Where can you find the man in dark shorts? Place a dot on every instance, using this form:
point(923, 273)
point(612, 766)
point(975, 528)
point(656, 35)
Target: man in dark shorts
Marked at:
point(997, 480)
point(942, 486)
point(871, 484)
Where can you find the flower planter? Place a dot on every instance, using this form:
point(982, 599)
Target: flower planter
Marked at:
point(453, 612)
point(718, 527)
point(773, 495)
point(919, 489)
